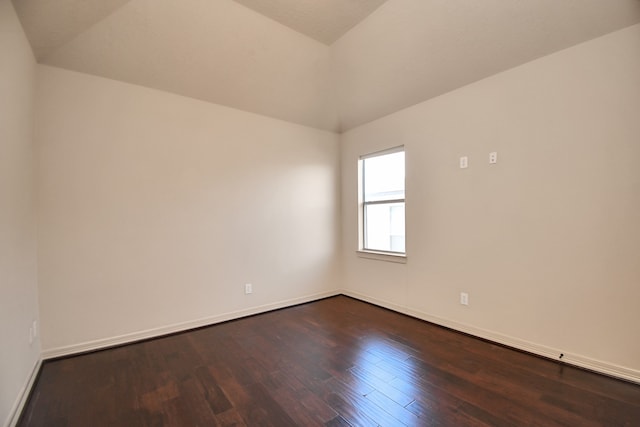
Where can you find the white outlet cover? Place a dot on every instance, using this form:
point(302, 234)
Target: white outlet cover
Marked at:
point(464, 162)
point(493, 157)
point(464, 298)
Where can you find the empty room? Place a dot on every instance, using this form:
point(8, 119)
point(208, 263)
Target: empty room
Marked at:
point(319, 213)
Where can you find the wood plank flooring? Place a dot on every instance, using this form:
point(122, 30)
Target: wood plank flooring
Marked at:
point(334, 362)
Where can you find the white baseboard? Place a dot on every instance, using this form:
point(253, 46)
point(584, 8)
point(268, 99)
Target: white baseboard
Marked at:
point(178, 327)
point(21, 400)
point(605, 368)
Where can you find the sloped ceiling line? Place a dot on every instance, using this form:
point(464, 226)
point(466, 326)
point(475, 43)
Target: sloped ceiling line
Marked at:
point(325, 21)
point(51, 24)
point(328, 64)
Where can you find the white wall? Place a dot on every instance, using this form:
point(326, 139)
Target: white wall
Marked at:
point(18, 277)
point(547, 241)
point(155, 210)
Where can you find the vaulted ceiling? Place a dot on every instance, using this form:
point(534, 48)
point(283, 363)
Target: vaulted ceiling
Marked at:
point(323, 20)
point(330, 64)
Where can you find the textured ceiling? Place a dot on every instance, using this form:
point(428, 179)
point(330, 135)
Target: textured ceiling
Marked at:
point(49, 24)
point(214, 50)
point(227, 52)
point(408, 51)
point(323, 20)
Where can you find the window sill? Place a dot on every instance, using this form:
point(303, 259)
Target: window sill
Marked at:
point(383, 256)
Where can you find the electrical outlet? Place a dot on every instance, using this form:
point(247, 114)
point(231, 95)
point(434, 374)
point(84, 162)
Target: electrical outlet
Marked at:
point(493, 157)
point(464, 162)
point(248, 288)
point(464, 298)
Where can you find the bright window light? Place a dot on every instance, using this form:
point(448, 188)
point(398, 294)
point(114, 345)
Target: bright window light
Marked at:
point(382, 184)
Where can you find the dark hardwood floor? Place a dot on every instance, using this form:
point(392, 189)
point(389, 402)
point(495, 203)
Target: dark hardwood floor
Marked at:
point(334, 362)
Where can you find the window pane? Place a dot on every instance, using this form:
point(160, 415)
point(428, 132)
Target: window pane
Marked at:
point(397, 228)
point(384, 177)
point(384, 227)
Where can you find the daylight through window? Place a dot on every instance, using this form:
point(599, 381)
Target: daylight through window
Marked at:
point(382, 201)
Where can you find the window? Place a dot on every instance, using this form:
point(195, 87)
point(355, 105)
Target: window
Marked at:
point(382, 202)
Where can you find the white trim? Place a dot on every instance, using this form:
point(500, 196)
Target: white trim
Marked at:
point(605, 368)
point(384, 152)
point(178, 327)
point(21, 400)
point(362, 204)
point(383, 256)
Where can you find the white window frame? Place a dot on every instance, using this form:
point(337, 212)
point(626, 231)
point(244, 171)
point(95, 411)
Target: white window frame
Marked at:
point(362, 250)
